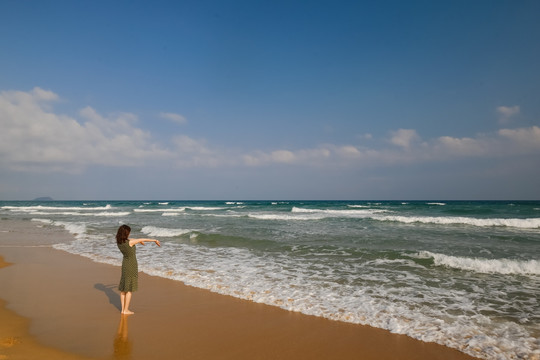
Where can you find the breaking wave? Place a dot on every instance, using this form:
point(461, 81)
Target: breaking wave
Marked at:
point(494, 266)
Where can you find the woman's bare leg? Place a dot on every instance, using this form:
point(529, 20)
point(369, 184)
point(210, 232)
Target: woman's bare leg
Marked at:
point(122, 300)
point(125, 299)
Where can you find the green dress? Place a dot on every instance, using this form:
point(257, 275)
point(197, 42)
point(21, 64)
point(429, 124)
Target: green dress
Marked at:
point(130, 269)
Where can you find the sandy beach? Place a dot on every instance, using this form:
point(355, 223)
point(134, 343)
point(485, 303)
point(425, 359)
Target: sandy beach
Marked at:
point(64, 306)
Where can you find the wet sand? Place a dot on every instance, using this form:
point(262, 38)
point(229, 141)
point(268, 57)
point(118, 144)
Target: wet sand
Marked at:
point(15, 341)
point(69, 305)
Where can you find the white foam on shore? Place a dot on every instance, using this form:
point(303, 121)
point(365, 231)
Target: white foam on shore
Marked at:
point(77, 229)
point(297, 285)
point(45, 221)
point(487, 266)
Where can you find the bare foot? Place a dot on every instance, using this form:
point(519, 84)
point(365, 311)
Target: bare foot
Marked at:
point(127, 312)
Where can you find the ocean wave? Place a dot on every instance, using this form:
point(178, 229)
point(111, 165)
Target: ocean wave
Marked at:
point(70, 213)
point(531, 223)
point(44, 221)
point(73, 228)
point(375, 214)
point(205, 208)
point(286, 216)
point(108, 213)
point(313, 214)
point(172, 213)
point(140, 210)
point(486, 266)
point(193, 208)
point(338, 213)
point(436, 203)
point(77, 229)
point(164, 232)
point(55, 208)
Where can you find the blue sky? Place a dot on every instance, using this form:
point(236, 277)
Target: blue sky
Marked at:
point(270, 99)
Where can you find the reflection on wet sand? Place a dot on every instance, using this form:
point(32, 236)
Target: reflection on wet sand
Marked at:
point(122, 345)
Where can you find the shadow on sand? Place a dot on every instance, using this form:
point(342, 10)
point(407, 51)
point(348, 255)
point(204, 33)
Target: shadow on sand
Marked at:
point(114, 298)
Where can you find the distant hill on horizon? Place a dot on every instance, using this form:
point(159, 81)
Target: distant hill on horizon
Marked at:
point(44, 198)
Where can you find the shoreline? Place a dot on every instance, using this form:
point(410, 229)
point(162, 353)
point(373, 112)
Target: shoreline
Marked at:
point(78, 314)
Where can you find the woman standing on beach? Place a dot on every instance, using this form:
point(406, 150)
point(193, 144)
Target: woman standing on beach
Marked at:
point(130, 271)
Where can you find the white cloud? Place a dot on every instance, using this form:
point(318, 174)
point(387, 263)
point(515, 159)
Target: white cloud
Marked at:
point(525, 139)
point(34, 138)
point(283, 156)
point(507, 112)
point(46, 95)
point(505, 143)
point(349, 151)
point(366, 136)
point(446, 146)
point(189, 152)
point(186, 145)
point(320, 156)
point(404, 137)
point(177, 118)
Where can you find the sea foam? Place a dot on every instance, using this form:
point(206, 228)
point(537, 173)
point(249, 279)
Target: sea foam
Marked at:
point(77, 229)
point(164, 232)
point(71, 213)
point(531, 223)
point(55, 208)
point(143, 210)
point(496, 266)
point(298, 213)
point(339, 213)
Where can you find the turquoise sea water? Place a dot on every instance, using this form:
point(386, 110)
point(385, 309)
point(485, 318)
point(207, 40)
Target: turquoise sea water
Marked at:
point(459, 273)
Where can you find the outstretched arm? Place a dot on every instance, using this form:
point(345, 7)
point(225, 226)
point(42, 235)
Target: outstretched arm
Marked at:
point(133, 242)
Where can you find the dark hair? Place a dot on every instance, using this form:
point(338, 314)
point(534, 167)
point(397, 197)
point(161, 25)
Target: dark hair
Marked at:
point(122, 234)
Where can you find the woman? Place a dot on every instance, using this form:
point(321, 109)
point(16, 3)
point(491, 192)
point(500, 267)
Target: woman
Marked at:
point(130, 271)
